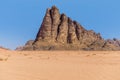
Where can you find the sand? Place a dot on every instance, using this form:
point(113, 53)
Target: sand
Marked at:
point(59, 65)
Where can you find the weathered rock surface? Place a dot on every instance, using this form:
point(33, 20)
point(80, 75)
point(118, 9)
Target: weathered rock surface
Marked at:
point(59, 32)
point(28, 46)
point(114, 41)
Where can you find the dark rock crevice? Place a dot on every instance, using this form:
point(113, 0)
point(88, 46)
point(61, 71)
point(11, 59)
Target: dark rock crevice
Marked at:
point(58, 29)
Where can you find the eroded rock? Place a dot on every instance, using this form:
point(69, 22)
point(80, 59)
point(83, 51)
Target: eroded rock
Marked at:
point(59, 32)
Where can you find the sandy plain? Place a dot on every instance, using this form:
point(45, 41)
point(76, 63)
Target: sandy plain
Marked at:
point(59, 65)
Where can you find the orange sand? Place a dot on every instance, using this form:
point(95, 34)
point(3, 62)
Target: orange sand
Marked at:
point(59, 65)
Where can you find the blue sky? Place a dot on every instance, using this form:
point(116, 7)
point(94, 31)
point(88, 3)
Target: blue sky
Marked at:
point(21, 19)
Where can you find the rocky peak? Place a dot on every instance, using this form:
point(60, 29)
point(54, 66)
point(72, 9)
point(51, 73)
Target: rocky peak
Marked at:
point(59, 32)
point(49, 25)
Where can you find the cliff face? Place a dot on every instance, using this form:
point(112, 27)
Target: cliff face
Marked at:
point(59, 32)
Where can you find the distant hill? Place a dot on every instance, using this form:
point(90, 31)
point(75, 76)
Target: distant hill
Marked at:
point(2, 48)
point(59, 32)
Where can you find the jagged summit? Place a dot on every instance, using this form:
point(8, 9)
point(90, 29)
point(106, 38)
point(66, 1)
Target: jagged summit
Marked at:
point(59, 32)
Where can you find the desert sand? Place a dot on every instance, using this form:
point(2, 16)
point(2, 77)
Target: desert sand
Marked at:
point(59, 65)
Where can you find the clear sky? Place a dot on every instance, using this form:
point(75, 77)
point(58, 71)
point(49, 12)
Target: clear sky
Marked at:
point(21, 19)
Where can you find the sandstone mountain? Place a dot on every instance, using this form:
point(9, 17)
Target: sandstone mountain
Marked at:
point(59, 32)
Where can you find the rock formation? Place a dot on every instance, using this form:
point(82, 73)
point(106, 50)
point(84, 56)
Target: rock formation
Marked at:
point(114, 41)
point(59, 32)
point(28, 46)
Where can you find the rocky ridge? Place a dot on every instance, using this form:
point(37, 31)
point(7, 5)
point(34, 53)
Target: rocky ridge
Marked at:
point(59, 32)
